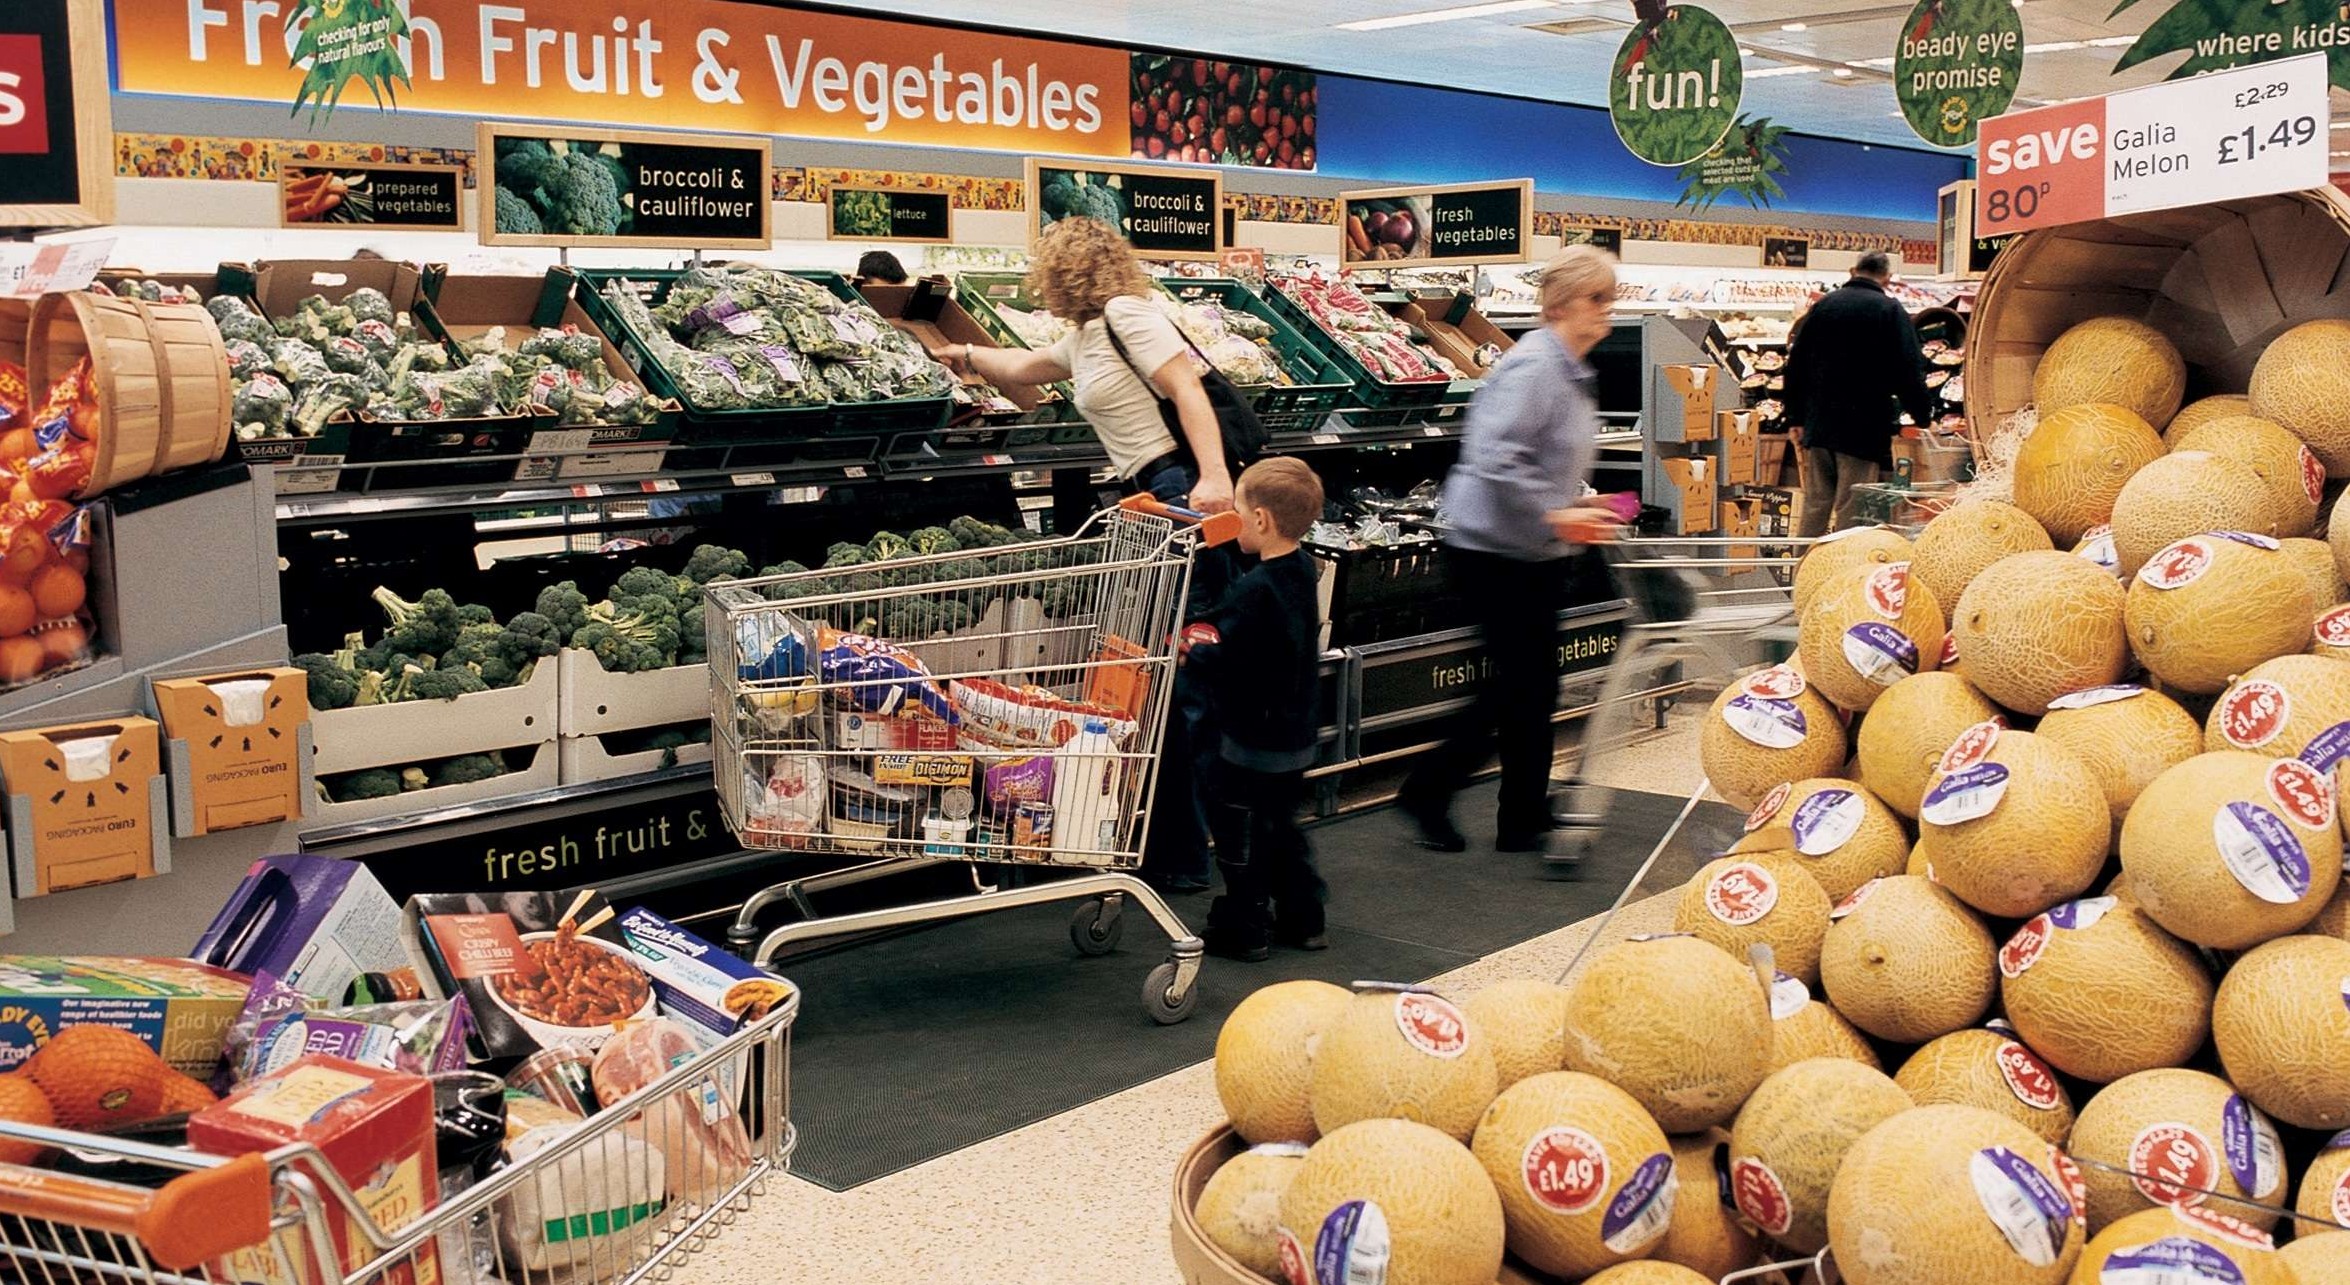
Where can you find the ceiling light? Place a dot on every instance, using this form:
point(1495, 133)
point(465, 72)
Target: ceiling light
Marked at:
point(1793, 26)
point(1766, 73)
point(1453, 14)
point(1841, 71)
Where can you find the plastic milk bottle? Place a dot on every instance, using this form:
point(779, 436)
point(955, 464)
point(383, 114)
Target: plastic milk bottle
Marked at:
point(1086, 797)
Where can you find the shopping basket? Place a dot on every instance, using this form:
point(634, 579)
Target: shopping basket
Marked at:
point(270, 1219)
point(1013, 717)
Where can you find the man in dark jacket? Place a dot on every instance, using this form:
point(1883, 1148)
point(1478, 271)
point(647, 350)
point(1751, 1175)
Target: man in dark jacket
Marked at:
point(1853, 369)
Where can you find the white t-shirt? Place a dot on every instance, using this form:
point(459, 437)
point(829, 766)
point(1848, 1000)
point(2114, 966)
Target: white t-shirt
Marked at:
point(1123, 410)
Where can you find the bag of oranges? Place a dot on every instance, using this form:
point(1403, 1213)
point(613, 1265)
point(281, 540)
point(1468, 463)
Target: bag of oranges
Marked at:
point(65, 438)
point(44, 560)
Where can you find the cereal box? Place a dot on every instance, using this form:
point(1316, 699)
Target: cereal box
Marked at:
point(180, 1008)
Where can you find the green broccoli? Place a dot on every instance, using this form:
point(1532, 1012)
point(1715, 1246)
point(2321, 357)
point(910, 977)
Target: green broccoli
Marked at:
point(712, 562)
point(334, 680)
point(445, 683)
point(373, 783)
point(516, 216)
point(787, 567)
point(369, 304)
point(321, 401)
point(427, 626)
point(644, 583)
point(954, 617)
point(669, 742)
point(693, 636)
point(564, 607)
point(530, 635)
point(473, 613)
point(468, 768)
point(846, 555)
point(568, 347)
point(525, 165)
point(627, 644)
point(263, 399)
point(933, 539)
point(582, 200)
point(475, 643)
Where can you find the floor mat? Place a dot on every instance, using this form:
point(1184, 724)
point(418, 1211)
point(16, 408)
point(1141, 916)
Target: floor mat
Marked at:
point(914, 1046)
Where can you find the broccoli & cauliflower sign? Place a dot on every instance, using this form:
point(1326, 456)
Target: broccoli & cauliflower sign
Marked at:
point(578, 187)
point(1164, 213)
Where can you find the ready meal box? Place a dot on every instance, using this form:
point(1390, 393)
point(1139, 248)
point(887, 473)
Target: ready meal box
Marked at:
point(539, 970)
point(236, 746)
point(86, 805)
point(180, 1008)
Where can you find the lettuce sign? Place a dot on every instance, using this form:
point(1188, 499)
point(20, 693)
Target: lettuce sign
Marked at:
point(1676, 84)
point(1956, 66)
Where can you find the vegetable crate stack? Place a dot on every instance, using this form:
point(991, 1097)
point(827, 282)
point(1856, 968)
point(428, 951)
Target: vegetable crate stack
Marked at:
point(635, 691)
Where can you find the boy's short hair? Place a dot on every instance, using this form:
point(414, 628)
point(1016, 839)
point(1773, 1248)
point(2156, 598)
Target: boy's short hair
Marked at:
point(1286, 488)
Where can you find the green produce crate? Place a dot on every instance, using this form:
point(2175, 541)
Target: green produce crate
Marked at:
point(980, 293)
point(695, 427)
point(898, 414)
point(1370, 391)
point(1321, 387)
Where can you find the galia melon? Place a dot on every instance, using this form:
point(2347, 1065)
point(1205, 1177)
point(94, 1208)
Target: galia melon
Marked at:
point(2319, 1259)
point(1844, 835)
point(2230, 849)
point(1585, 1176)
point(2338, 538)
point(2316, 559)
point(1989, 1070)
point(2290, 707)
point(2286, 467)
point(1409, 1056)
point(2187, 494)
point(1766, 728)
point(1675, 1022)
point(2324, 1194)
point(1240, 1209)
point(2282, 1025)
point(1908, 962)
point(2334, 920)
point(2170, 1136)
point(1767, 898)
point(1919, 865)
point(1803, 1028)
point(1648, 1272)
point(1840, 551)
point(1868, 630)
point(2125, 734)
point(1265, 1058)
point(2112, 359)
point(2302, 381)
point(1792, 1135)
point(1949, 1195)
point(1908, 728)
point(1706, 1236)
point(1965, 538)
point(2206, 409)
point(2102, 992)
point(1398, 1190)
point(2034, 626)
point(2210, 607)
point(2014, 824)
point(2074, 463)
point(2189, 1245)
point(1526, 1023)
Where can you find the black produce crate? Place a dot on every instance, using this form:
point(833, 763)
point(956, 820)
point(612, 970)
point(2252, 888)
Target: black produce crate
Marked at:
point(1385, 592)
point(1370, 391)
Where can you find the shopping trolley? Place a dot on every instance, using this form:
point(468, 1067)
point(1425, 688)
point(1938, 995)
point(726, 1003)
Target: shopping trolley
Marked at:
point(1015, 720)
point(601, 1205)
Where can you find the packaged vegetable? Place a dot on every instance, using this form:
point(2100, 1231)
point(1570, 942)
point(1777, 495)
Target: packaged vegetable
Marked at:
point(596, 1204)
point(280, 1025)
point(696, 1127)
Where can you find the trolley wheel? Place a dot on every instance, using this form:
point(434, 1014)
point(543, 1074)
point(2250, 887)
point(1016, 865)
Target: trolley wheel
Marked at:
point(1096, 927)
point(1158, 997)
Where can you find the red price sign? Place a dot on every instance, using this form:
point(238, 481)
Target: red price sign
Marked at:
point(2041, 168)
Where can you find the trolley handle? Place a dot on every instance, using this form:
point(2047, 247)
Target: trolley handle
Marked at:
point(195, 1218)
point(1214, 528)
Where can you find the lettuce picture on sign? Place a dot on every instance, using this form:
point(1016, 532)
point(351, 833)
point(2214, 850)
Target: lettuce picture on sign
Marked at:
point(1956, 66)
point(1676, 84)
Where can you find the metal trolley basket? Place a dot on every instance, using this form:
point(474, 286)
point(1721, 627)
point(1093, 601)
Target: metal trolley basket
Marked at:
point(270, 1218)
point(943, 745)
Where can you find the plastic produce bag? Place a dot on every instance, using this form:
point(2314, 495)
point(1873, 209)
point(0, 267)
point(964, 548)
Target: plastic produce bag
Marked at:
point(697, 1127)
point(592, 1206)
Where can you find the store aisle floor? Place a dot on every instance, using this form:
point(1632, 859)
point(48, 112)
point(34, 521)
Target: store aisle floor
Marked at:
point(1082, 1198)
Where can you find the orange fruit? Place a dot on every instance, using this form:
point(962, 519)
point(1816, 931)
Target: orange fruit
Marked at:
point(22, 1102)
point(16, 444)
point(96, 1076)
point(63, 642)
point(22, 659)
point(185, 1093)
point(58, 591)
point(18, 615)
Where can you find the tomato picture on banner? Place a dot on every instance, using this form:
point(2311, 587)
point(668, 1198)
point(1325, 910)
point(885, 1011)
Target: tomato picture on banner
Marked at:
point(1956, 66)
point(2219, 34)
point(1211, 112)
point(1676, 83)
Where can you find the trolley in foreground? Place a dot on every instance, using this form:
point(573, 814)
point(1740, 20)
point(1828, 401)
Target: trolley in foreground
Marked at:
point(622, 1197)
point(999, 706)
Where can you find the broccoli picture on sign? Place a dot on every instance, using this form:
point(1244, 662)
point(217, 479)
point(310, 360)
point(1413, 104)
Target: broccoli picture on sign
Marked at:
point(1676, 83)
point(584, 187)
point(1163, 213)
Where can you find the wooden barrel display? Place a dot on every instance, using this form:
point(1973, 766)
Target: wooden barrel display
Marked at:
point(16, 323)
point(161, 375)
point(2220, 280)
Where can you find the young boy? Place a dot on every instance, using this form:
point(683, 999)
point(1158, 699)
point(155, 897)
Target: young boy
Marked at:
point(1255, 656)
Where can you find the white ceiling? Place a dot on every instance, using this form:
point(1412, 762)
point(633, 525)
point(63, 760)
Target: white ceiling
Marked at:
point(1506, 54)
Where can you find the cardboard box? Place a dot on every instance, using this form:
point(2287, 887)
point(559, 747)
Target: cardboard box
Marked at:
point(1693, 479)
point(316, 923)
point(926, 309)
point(227, 774)
point(1682, 402)
point(1740, 458)
point(696, 981)
point(364, 736)
point(181, 1009)
point(68, 830)
point(1927, 459)
point(279, 286)
point(1742, 517)
point(591, 700)
point(1456, 330)
point(1771, 453)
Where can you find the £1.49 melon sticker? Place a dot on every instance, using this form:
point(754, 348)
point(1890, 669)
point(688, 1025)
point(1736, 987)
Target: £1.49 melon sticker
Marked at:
point(1740, 894)
point(2333, 627)
point(1777, 682)
point(2177, 566)
point(1887, 590)
point(1769, 807)
point(1565, 1170)
point(1761, 1196)
point(2028, 1078)
point(1431, 1025)
point(2253, 713)
point(2313, 476)
point(1970, 747)
point(2173, 1164)
point(2306, 793)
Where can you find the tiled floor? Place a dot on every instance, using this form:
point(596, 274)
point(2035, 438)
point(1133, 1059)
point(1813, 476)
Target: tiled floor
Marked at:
point(1082, 1199)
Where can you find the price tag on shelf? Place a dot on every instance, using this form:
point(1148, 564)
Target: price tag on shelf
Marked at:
point(854, 470)
point(558, 440)
point(657, 484)
point(995, 461)
point(2248, 131)
point(586, 491)
point(322, 475)
point(1431, 430)
point(537, 468)
point(753, 479)
point(1325, 439)
point(29, 269)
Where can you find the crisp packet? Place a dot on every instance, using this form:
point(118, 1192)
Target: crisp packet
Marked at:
point(879, 677)
point(278, 1027)
point(1000, 716)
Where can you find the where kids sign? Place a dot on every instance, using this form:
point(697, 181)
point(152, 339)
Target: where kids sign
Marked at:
point(1676, 84)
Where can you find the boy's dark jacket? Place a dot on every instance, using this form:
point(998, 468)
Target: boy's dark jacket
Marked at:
point(1260, 671)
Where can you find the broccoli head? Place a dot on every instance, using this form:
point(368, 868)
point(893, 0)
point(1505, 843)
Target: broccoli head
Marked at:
point(582, 200)
point(473, 613)
point(530, 635)
point(933, 539)
point(263, 399)
point(427, 626)
point(369, 304)
point(334, 679)
point(468, 768)
point(567, 347)
point(845, 554)
point(886, 545)
point(712, 562)
point(516, 216)
point(446, 683)
point(644, 585)
point(629, 643)
point(475, 643)
point(374, 783)
point(525, 164)
point(565, 607)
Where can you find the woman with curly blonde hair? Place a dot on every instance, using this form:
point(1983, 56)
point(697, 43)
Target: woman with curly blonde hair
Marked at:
point(1125, 357)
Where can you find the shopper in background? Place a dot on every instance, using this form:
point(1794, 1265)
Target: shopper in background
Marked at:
point(1853, 367)
point(1256, 657)
point(1513, 509)
point(880, 268)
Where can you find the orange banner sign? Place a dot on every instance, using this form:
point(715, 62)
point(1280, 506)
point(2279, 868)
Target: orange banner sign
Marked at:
point(701, 64)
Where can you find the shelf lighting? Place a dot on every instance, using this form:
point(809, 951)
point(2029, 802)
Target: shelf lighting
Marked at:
point(1453, 14)
point(1794, 26)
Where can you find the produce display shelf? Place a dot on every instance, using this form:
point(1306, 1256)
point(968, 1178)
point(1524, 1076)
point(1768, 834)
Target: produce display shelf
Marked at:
point(1321, 385)
point(980, 293)
point(1370, 391)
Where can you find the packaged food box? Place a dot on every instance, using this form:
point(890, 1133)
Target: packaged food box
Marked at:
point(696, 981)
point(85, 804)
point(180, 1008)
point(374, 1128)
point(317, 923)
point(539, 970)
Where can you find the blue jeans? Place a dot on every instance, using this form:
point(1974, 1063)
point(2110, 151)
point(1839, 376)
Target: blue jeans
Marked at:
point(1176, 846)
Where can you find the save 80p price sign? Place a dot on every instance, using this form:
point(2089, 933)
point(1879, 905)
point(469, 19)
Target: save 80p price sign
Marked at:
point(2245, 132)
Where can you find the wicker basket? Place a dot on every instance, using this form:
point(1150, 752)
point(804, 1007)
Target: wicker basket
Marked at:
point(162, 380)
point(16, 322)
point(2221, 280)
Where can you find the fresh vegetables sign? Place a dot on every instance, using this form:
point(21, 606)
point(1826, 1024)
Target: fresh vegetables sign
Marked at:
point(574, 188)
point(1956, 66)
point(1676, 84)
point(393, 197)
point(1465, 223)
point(888, 214)
point(1163, 213)
point(55, 131)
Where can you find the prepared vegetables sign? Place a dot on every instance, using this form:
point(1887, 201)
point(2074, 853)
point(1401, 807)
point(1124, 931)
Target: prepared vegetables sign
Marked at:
point(1163, 213)
point(582, 188)
point(403, 197)
point(1462, 224)
point(887, 214)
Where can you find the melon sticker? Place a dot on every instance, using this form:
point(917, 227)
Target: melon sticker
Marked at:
point(2028, 1078)
point(2023, 950)
point(2178, 566)
point(1789, 996)
point(1853, 899)
point(1761, 1196)
point(2097, 547)
point(2093, 696)
point(1432, 1025)
point(1285, 1150)
point(2313, 476)
point(1887, 590)
point(2261, 852)
point(1565, 1169)
point(2253, 713)
point(1739, 895)
point(1353, 1246)
point(2246, 537)
point(2304, 792)
point(2339, 1203)
point(2173, 1260)
point(1971, 747)
point(2076, 915)
point(2173, 1164)
point(2226, 1226)
point(2076, 1188)
point(1949, 652)
point(1294, 1267)
point(1779, 682)
point(1769, 807)
point(2327, 748)
point(2256, 1155)
point(1827, 820)
point(1640, 1213)
point(1880, 653)
point(2342, 1139)
point(2023, 1204)
point(2333, 627)
point(1965, 795)
point(1771, 723)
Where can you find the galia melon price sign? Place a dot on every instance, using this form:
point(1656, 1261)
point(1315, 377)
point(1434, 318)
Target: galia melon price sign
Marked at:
point(2218, 137)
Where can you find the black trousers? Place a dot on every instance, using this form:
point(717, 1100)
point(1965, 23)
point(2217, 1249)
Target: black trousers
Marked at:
point(1516, 605)
point(1270, 884)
